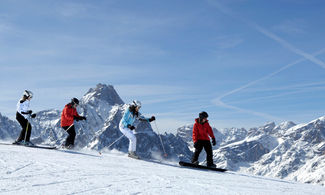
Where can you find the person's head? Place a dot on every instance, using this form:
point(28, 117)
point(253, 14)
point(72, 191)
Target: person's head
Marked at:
point(136, 104)
point(74, 102)
point(27, 95)
point(203, 116)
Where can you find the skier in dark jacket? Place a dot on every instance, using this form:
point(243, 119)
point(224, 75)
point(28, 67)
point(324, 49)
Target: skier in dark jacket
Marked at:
point(69, 114)
point(202, 132)
point(23, 112)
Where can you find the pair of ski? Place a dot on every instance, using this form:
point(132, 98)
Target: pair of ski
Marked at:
point(32, 146)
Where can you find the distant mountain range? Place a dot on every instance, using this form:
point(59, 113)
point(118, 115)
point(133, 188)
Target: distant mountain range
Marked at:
point(289, 151)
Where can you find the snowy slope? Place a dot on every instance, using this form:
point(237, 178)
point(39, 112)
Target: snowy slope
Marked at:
point(35, 171)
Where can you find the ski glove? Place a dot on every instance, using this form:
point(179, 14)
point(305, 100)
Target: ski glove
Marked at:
point(131, 127)
point(82, 118)
point(214, 141)
point(33, 115)
point(152, 118)
point(196, 145)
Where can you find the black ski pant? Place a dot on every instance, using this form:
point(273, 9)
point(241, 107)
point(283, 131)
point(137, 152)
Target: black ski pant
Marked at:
point(26, 127)
point(208, 149)
point(72, 134)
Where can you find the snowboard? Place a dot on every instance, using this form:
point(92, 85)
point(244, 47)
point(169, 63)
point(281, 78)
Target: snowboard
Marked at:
point(186, 164)
point(35, 146)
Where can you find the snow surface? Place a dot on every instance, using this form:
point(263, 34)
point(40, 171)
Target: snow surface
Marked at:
point(39, 171)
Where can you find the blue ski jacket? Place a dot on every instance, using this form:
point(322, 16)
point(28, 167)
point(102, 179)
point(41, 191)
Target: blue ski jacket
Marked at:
point(128, 118)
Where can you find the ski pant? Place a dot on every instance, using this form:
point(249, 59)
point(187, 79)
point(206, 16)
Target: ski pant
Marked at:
point(130, 135)
point(26, 127)
point(208, 149)
point(72, 134)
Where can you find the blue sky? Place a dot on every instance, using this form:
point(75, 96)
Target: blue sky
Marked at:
point(245, 62)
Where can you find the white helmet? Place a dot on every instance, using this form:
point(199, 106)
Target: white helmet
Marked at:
point(136, 103)
point(28, 94)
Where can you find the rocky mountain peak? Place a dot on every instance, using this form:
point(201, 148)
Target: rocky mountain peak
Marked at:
point(103, 92)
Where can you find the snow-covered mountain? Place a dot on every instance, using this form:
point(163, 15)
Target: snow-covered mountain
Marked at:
point(104, 109)
point(289, 151)
point(299, 154)
point(8, 129)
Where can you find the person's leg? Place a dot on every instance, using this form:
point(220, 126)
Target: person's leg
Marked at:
point(197, 152)
point(133, 140)
point(72, 134)
point(208, 150)
point(23, 123)
point(29, 132)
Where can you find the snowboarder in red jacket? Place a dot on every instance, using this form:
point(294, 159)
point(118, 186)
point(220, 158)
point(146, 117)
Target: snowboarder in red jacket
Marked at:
point(202, 132)
point(69, 114)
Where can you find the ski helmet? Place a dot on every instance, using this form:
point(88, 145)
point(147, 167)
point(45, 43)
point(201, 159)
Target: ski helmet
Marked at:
point(75, 101)
point(28, 94)
point(136, 103)
point(203, 115)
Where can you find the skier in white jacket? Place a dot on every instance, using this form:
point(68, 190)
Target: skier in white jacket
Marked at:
point(126, 125)
point(23, 112)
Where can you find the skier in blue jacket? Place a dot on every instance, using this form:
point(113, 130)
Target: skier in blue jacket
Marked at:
point(127, 128)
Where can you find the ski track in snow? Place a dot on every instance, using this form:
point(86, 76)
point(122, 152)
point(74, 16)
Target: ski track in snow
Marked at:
point(19, 168)
point(38, 171)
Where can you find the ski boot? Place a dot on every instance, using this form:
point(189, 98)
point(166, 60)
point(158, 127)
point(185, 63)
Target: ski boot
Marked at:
point(18, 142)
point(211, 165)
point(133, 155)
point(69, 147)
point(195, 162)
point(29, 143)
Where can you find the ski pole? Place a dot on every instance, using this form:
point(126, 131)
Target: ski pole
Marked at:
point(115, 141)
point(165, 154)
point(26, 132)
point(69, 127)
point(100, 153)
point(27, 129)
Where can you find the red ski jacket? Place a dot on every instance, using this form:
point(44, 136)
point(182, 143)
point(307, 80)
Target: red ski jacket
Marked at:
point(67, 115)
point(202, 131)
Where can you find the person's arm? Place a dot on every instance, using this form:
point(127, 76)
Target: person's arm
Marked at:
point(142, 118)
point(23, 107)
point(75, 113)
point(210, 132)
point(125, 117)
point(195, 133)
point(67, 113)
point(77, 116)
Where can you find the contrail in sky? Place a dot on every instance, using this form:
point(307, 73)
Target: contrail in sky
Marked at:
point(311, 57)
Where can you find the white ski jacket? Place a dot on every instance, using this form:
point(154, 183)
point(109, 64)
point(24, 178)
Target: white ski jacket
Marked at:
point(23, 107)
